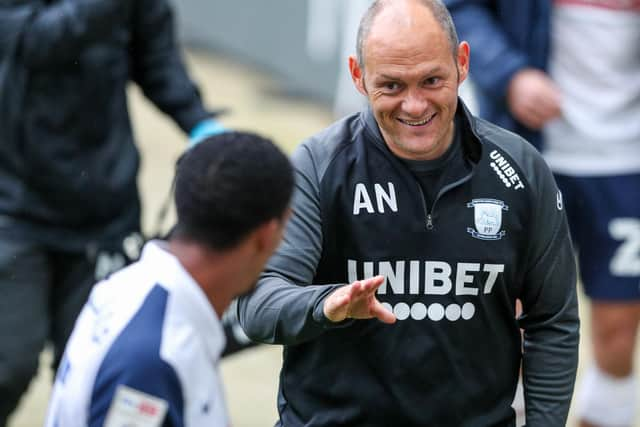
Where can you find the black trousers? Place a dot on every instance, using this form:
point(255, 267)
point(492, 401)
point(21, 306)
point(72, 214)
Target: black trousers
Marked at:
point(41, 293)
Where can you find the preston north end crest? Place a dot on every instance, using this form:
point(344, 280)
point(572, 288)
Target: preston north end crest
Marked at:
point(487, 215)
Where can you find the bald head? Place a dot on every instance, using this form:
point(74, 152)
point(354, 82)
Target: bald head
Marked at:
point(402, 14)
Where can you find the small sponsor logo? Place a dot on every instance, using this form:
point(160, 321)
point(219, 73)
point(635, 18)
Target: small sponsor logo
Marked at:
point(131, 407)
point(487, 215)
point(505, 171)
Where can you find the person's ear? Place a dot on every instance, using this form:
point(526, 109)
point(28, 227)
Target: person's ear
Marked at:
point(357, 75)
point(463, 61)
point(269, 234)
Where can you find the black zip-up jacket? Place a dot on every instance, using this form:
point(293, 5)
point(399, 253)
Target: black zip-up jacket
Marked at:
point(453, 273)
point(68, 162)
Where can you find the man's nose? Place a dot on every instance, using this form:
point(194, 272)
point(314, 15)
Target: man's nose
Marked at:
point(415, 103)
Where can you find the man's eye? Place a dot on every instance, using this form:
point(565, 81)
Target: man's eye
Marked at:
point(431, 81)
point(391, 86)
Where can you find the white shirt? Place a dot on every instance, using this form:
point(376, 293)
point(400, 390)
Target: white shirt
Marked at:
point(145, 348)
point(595, 60)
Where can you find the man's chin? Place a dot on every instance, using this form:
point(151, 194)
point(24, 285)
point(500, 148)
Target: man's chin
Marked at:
point(418, 150)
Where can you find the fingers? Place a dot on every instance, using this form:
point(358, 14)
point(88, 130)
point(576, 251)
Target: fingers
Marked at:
point(548, 102)
point(366, 287)
point(364, 304)
point(357, 301)
point(533, 98)
point(381, 313)
point(536, 115)
point(351, 300)
point(531, 111)
point(529, 118)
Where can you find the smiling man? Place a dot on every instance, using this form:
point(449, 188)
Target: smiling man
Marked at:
point(416, 227)
point(412, 85)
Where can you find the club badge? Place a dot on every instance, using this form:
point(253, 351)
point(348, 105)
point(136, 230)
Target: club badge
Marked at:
point(487, 215)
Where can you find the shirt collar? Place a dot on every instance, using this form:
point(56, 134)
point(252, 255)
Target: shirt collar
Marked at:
point(185, 292)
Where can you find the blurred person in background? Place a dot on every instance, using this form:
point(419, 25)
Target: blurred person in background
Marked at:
point(566, 74)
point(150, 336)
point(394, 289)
point(69, 203)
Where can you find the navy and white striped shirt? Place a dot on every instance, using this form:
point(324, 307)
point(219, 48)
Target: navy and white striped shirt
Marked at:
point(151, 329)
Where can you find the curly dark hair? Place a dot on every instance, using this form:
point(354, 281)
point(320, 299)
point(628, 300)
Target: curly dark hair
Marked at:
point(228, 185)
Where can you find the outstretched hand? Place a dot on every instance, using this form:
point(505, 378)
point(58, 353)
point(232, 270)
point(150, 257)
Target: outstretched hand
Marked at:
point(357, 301)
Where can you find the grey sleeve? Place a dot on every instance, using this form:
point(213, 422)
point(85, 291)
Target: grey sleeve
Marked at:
point(285, 308)
point(550, 309)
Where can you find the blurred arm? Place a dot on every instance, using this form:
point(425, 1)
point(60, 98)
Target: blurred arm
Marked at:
point(158, 68)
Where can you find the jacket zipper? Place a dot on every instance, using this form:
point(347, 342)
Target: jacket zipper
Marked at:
point(428, 216)
point(430, 213)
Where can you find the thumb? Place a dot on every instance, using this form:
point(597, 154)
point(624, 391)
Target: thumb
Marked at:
point(381, 313)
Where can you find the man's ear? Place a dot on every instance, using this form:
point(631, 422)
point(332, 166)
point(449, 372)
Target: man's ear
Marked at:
point(357, 75)
point(269, 234)
point(463, 61)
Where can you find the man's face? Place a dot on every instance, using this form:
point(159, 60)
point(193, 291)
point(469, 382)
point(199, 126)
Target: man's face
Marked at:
point(411, 80)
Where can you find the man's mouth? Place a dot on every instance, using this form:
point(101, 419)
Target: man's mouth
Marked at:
point(418, 122)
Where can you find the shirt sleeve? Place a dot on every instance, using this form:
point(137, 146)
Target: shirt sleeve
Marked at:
point(158, 67)
point(494, 59)
point(550, 308)
point(285, 308)
point(149, 375)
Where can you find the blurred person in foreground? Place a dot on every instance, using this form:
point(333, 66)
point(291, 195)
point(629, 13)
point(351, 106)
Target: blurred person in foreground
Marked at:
point(567, 73)
point(416, 227)
point(69, 203)
point(146, 345)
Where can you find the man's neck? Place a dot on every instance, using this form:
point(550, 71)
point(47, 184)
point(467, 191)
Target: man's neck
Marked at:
point(218, 274)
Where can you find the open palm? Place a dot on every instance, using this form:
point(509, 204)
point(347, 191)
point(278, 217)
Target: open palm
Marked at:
point(357, 301)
